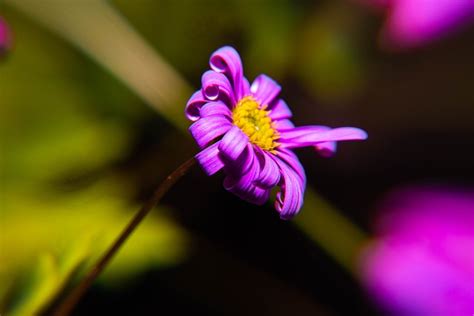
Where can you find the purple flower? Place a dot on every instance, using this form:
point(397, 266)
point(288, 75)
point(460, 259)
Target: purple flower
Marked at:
point(415, 22)
point(246, 131)
point(5, 37)
point(422, 261)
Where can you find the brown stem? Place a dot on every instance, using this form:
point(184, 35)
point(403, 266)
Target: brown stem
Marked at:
point(67, 305)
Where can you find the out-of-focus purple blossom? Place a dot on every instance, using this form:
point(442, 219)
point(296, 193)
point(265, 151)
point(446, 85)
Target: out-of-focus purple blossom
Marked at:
point(245, 129)
point(5, 37)
point(415, 22)
point(422, 260)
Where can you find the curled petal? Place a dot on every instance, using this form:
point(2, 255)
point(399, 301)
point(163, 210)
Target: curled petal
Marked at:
point(194, 104)
point(216, 86)
point(215, 108)
point(290, 199)
point(326, 149)
point(233, 143)
point(242, 184)
point(210, 160)
point(292, 160)
point(270, 173)
point(310, 136)
point(258, 195)
point(226, 60)
point(209, 128)
point(280, 110)
point(243, 163)
point(246, 190)
point(265, 89)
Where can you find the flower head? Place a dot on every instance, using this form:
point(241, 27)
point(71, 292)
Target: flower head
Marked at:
point(422, 260)
point(246, 131)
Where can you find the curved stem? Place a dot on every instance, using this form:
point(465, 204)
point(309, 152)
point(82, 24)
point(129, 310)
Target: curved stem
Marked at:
point(78, 291)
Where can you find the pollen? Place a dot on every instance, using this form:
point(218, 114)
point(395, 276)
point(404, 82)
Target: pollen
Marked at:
point(255, 123)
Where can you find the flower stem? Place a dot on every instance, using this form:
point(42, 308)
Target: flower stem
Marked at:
point(67, 305)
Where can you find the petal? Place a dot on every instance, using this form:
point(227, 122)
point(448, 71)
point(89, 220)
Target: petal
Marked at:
point(233, 143)
point(303, 130)
point(215, 108)
point(290, 199)
point(209, 128)
point(269, 173)
point(280, 110)
point(326, 149)
point(242, 184)
point(246, 190)
point(264, 89)
point(196, 101)
point(292, 160)
point(245, 88)
point(310, 136)
point(258, 195)
point(283, 124)
point(226, 60)
point(210, 160)
point(216, 86)
point(243, 163)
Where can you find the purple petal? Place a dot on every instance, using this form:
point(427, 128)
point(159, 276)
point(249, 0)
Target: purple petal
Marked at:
point(292, 160)
point(270, 173)
point(326, 149)
point(283, 124)
point(243, 163)
point(304, 130)
point(209, 159)
point(226, 60)
point(310, 136)
point(196, 101)
point(216, 86)
point(290, 199)
point(264, 89)
point(246, 190)
point(209, 128)
point(215, 108)
point(233, 143)
point(280, 110)
point(258, 195)
point(242, 184)
point(245, 87)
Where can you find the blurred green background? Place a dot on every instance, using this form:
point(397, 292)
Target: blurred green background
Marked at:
point(92, 95)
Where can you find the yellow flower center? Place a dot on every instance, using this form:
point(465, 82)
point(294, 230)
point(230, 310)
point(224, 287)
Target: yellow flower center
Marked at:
point(255, 123)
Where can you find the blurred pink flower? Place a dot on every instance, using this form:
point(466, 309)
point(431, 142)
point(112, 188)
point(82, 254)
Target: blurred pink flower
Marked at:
point(422, 260)
point(5, 37)
point(414, 22)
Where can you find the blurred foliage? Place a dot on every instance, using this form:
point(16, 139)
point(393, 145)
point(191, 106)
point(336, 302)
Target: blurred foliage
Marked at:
point(330, 62)
point(56, 132)
point(75, 227)
point(318, 43)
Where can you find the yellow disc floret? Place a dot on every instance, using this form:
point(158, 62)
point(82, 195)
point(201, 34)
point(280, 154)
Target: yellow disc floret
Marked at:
point(255, 123)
